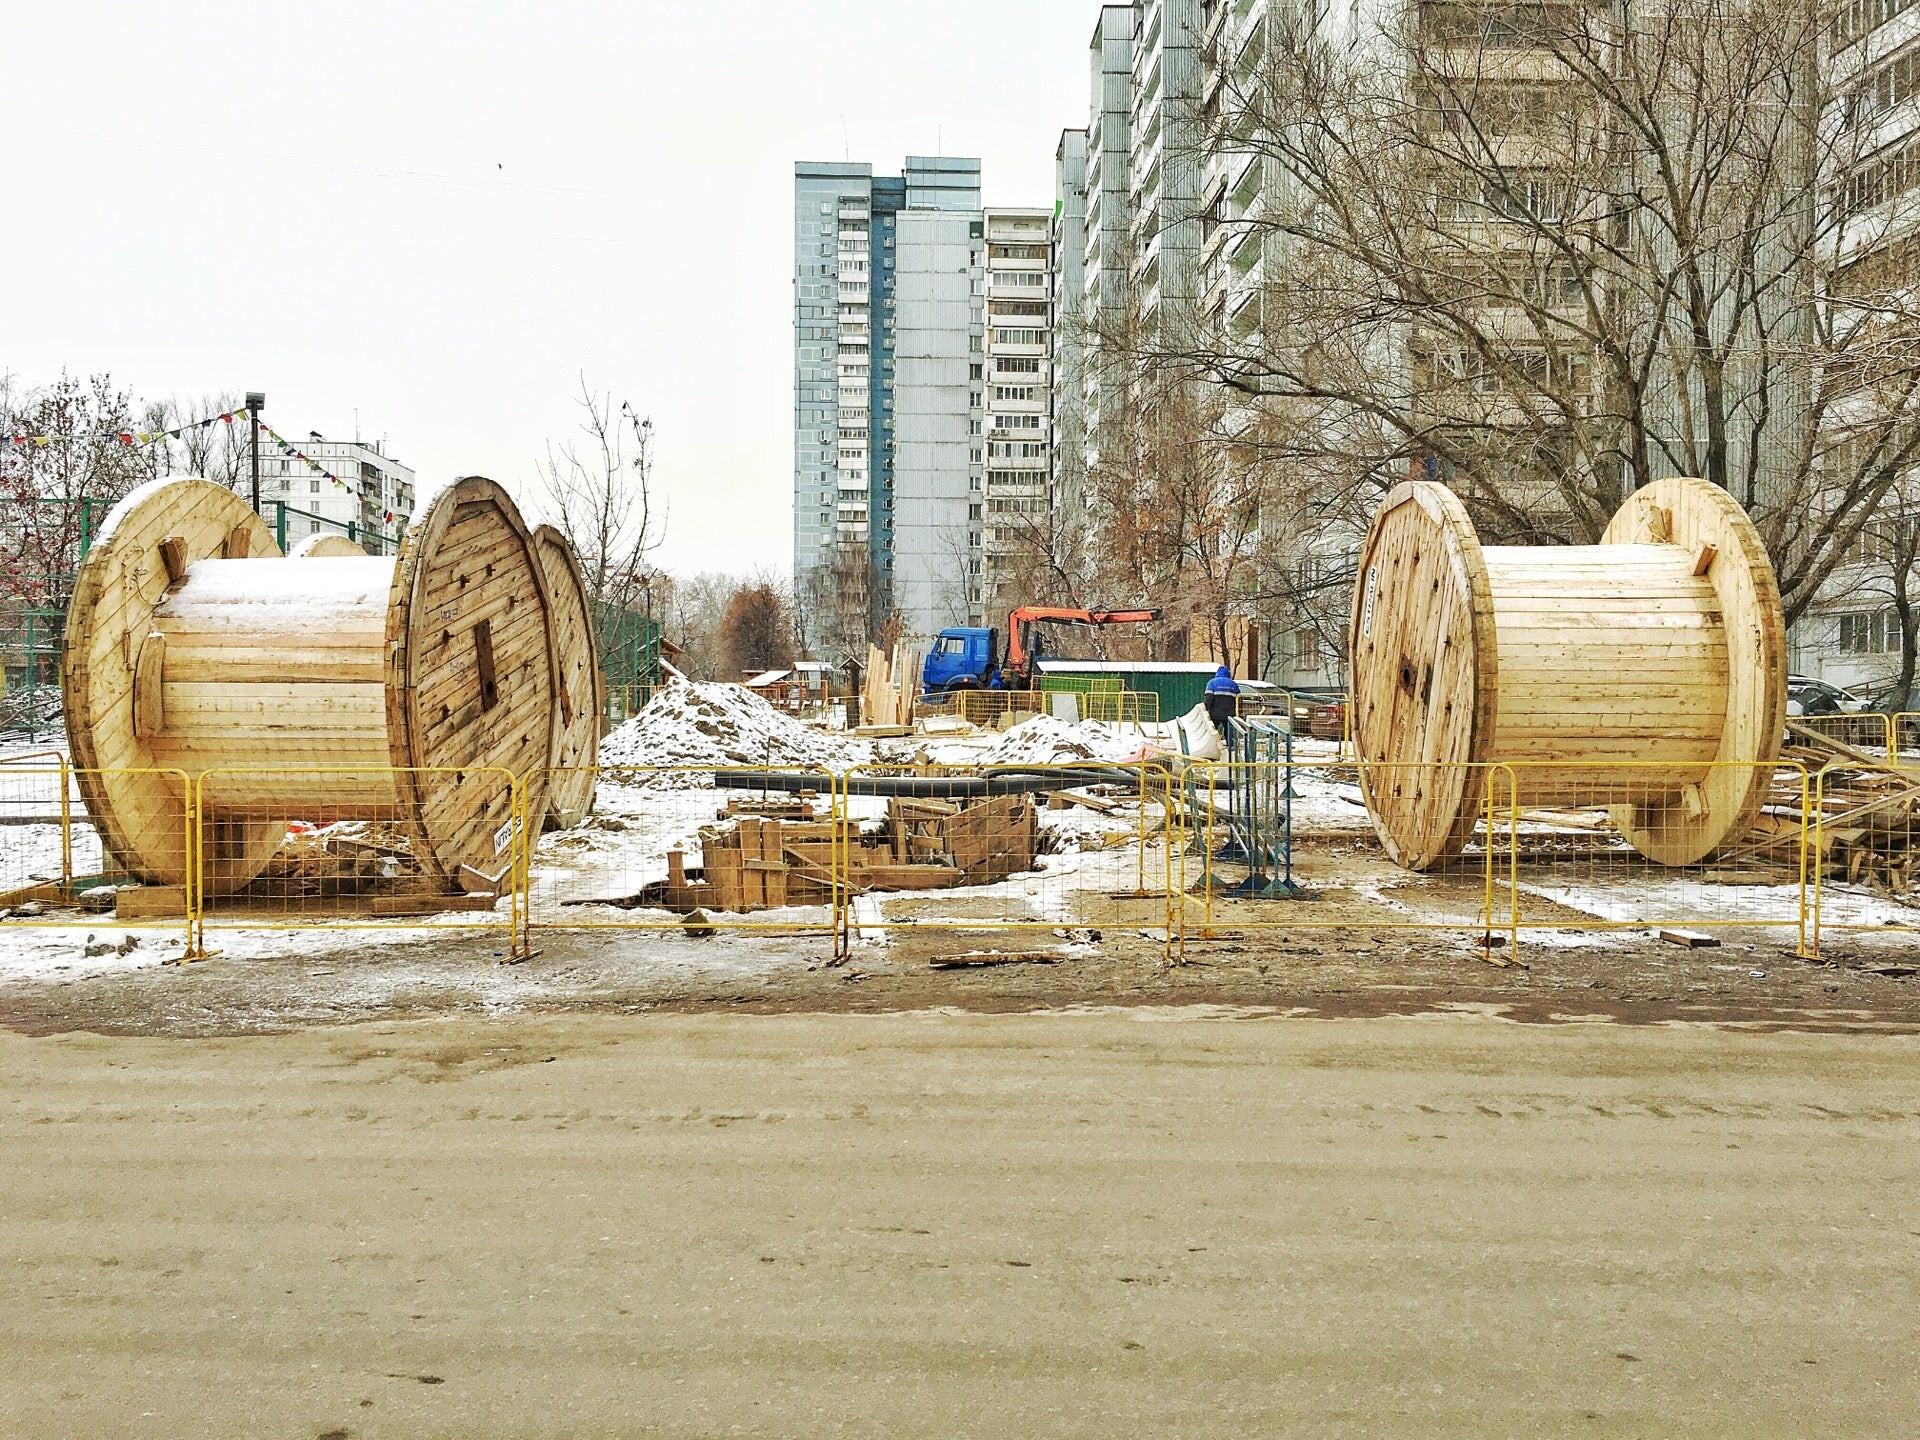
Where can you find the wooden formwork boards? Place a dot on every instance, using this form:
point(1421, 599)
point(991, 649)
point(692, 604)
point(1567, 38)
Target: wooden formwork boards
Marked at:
point(764, 863)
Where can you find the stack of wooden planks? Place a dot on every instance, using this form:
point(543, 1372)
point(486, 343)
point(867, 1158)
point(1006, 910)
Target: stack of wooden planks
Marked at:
point(891, 686)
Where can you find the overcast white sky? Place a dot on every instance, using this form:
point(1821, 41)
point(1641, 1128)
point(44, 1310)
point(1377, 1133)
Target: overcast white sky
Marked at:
point(440, 212)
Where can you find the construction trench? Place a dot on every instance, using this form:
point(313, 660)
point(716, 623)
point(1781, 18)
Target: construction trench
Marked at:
point(1569, 762)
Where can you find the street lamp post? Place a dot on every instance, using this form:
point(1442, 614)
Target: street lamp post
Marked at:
point(256, 402)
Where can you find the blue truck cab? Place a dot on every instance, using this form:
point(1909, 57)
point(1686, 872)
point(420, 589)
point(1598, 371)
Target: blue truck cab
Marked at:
point(962, 658)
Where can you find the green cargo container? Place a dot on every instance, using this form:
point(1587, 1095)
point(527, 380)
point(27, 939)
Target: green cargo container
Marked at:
point(1180, 685)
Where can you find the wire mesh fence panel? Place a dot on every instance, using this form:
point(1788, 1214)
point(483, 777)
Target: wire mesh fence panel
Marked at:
point(990, 708)
point(285, 847)
point(1695, 850)
point(57, 868)
point(752, 849)
point(1867, 730)
point(985, 708)
point(1280, 845)
point(978, 865)
point(1905, 730)
point(1865, 848)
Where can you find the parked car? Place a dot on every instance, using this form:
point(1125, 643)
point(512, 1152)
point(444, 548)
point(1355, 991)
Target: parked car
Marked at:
point(1893, 701)
point(1807, 696)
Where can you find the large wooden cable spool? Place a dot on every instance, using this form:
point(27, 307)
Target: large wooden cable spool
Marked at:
point(351, 688)
point(1663, 647)
point(582, 682)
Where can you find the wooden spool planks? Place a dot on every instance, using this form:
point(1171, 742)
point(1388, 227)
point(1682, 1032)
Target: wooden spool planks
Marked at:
point(582, 682)
point(308, 691)
point(473, 676)
point(1663, 647)
point(141, 815)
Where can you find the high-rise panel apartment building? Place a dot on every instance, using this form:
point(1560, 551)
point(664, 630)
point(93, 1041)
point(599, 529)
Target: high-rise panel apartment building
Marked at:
point(1165, 146)
point(1017, 395)
point(1067, 240)
point(1106, 259)
point(888, 352)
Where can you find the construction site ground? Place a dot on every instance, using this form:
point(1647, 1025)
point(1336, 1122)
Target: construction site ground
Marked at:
point(1338, 961)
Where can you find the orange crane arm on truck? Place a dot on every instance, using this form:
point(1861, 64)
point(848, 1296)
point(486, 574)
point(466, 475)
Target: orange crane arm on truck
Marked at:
point(1019, 652)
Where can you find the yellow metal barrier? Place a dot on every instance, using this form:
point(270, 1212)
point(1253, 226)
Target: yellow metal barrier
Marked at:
point(1072, 851)
point(367, 846)
point(52, 855)
point(1905, 729)
point(1272, 846)
point(1865, 856)
point(987, 708)
point(1572, 868)
point(1863, 730)
point(721, 848)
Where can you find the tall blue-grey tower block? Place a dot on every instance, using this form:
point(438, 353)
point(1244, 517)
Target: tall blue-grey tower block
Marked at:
point(886, 396)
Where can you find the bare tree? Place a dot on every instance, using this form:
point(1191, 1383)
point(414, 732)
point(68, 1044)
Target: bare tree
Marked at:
point(599, 494)
point(207, 446)
point(836, 605)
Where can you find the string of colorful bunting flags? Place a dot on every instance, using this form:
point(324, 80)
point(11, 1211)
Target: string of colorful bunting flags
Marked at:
point(149, 437)
point(129, 437)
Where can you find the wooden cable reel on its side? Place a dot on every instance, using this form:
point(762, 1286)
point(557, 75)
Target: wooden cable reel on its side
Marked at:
point(583, 685)
point(192, 646)
point(1663, 647)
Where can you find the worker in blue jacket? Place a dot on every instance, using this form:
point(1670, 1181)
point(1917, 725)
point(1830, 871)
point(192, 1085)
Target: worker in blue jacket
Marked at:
point(1223, 698)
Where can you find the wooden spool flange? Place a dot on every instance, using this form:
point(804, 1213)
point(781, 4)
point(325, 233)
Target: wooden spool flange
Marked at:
point(326, 547)
point(582, 682)
point(355, 688)
point(1663, 647)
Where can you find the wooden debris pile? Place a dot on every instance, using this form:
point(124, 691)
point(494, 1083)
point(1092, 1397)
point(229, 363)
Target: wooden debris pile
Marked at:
point(1869, 813)
point(763, 863)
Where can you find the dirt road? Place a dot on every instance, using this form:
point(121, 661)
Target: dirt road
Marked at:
point(1136, 1223)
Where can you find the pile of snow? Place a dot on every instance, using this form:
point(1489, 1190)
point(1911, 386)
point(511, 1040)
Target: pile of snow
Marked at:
point(692, 723)
point(1044, 740)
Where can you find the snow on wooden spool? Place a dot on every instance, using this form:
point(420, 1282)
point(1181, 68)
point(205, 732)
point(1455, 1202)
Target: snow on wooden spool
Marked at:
point(582, 682)
point(325, 547)
point(1664, 646)
point(353, 688)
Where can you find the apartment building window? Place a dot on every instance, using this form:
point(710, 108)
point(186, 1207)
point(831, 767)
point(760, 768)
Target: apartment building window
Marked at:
point(1896, 81)
point(1017, 309)
point(1019, 337)
point(1017, 252)
point(973, 372)
point(1017, 365)
point(1015, 392)
point(1877, 633)
point(1016, 422)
